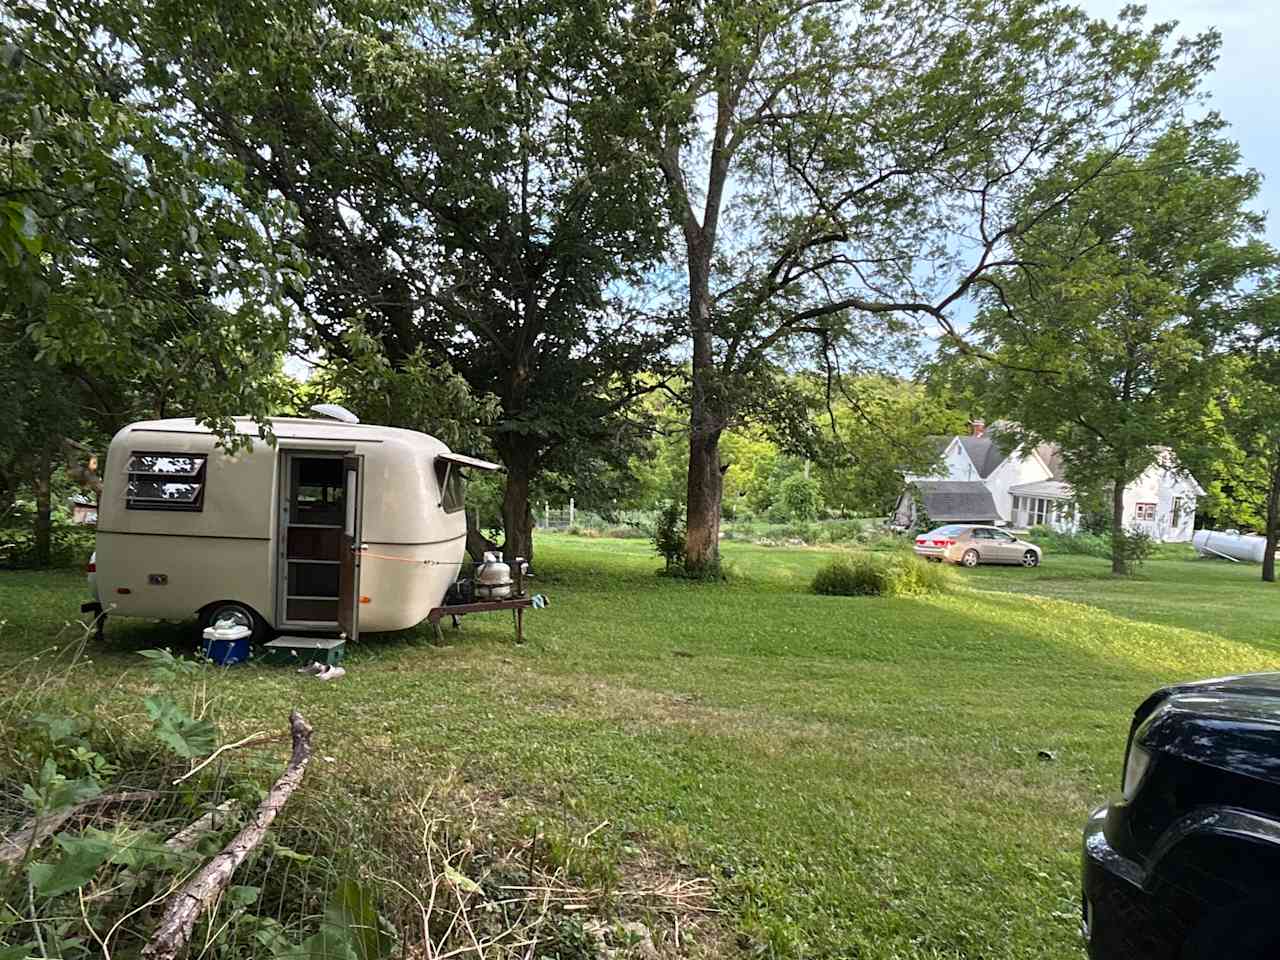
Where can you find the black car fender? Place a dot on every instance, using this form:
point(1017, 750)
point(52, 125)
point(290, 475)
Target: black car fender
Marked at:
point(1217, 860)
point(1226, 823)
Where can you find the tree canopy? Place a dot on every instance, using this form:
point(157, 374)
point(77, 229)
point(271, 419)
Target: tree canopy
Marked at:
point(1101, 341)
point(457, 195)
point(834, 169)
point(131, 255)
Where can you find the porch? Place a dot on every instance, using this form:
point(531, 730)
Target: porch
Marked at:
point(1046, 503)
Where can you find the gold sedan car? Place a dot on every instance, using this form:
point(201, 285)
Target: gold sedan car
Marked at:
point(971, 544)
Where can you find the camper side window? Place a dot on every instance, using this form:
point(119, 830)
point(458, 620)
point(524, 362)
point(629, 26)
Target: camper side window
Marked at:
point(166, 481)
point(452, 486)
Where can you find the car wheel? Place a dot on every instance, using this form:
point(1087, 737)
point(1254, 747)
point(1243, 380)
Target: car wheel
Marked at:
point(1031, 559)
point(237, 613)
point(970, 558)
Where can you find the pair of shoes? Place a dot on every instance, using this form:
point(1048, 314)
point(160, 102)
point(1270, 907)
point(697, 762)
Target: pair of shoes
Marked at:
point(314, 667)
point(331, 673)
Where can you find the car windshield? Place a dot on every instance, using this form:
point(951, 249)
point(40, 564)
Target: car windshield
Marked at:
point(948, 531)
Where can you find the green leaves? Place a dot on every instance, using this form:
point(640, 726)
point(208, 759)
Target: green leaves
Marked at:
point(128, 247)
point(353, 909)
point(165, 666)
point(80, 860)
point(350, 930)
point(18, 232)
point(1102, 339)
point(177, 730)
point(53, 791)
point(10, 56)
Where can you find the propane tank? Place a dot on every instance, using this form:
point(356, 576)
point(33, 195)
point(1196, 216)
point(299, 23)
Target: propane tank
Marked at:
point(1229, 544)
point(492, 579)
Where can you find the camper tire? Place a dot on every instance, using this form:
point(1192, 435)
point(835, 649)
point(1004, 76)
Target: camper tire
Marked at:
point(238, 612)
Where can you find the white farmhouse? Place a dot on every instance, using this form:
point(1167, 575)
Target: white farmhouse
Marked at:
point(978, 483)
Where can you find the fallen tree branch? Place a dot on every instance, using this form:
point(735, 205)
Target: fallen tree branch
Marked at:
point(14, 848)
point(173, 934)
point(186, 838)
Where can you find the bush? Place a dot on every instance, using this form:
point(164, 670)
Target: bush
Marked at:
point(717, 571)
point(849, 577)
point(69, 545)
point(1136, 547)
point(877, 575)
point(1081, 543)
point(625, 532)
point(864, 532)
point(669, 534)
point(801, 498)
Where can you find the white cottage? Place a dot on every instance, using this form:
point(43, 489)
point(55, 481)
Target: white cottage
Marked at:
point(1027, 488)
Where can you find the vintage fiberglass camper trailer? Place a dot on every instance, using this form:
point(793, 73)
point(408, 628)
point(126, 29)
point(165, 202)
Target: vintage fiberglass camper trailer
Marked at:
point(341, 526)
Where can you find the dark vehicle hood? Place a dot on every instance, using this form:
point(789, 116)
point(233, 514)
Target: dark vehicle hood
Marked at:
point(1229, 723)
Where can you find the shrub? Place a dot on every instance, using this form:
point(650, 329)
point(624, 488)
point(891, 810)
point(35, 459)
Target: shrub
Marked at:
point(848, 577)
point(801, 498)
point(669, 534)
point(625, 532)
point(877, 575)
point(1081, 543)
point(69, 545)
point(717, 571)
point(1135, 548)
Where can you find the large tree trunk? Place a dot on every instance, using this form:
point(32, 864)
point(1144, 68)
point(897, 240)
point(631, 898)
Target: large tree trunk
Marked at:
point(1119, 564)
point(44, 509)
point(1273, 522)
point(706, 478)
point(517, 518)
point(705, 489)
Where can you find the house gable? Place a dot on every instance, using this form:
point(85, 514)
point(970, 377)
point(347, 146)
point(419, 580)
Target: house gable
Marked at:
point(1022, 466)
point(955, 463)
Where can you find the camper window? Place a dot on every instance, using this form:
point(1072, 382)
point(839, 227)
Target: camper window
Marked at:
point(318, 491)
point(452, 486)
point(165, 481)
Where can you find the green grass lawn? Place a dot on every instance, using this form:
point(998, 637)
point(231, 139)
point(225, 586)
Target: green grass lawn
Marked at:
point(859, 776)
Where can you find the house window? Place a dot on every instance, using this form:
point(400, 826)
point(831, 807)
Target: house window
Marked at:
point(1144, 511)
point(166, 481)
point(1176, 516)
point(1036, 511)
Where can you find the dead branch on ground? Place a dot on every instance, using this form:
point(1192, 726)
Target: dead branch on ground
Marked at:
point(15, 847)
point(186, 905)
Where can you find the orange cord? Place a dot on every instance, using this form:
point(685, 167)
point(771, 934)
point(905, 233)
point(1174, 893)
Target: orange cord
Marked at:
point(427, 563)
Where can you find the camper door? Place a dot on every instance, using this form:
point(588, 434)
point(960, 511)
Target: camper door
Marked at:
point(349, 569)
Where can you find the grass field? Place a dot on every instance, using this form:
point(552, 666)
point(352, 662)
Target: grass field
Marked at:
point(859, 776)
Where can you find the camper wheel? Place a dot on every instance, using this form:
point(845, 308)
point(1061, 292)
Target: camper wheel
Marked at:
point(239, 614)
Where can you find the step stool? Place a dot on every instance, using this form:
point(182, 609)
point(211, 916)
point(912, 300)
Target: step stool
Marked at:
point(300, 651)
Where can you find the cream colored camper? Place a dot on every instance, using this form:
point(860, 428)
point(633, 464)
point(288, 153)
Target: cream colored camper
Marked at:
point(341, 526)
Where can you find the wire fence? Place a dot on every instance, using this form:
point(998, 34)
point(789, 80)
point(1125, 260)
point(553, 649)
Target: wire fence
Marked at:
point(567, 516)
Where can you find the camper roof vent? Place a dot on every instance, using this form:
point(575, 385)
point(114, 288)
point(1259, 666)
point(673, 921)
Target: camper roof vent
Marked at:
point(335, 412)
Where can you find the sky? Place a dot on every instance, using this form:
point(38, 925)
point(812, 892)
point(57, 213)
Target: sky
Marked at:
point(1245, 86)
